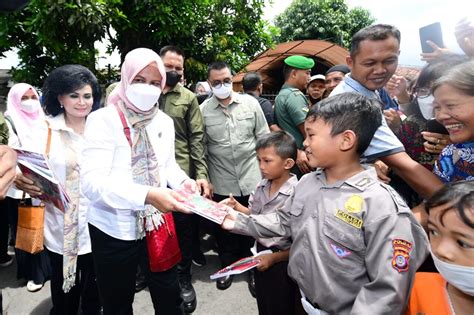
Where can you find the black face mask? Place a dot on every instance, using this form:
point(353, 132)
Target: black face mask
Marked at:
point(172, 78)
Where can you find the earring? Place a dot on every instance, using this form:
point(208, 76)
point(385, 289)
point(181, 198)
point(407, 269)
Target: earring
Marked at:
point(61, 105)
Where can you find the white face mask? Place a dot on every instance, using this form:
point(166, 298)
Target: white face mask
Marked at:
point(143, 96)
point(426, 106)
point(223, 92)
point(459, 276)
point(30, 106)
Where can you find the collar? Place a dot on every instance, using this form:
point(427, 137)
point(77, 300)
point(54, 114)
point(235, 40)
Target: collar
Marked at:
point(359, 181)
point(175, 89)
point(234, 98)
point(252, 93)
point(288, 86)
point(58, 122)
point(285, 189)
point(359, 88)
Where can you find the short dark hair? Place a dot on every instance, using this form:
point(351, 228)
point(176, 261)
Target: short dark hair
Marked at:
point(251, 81)
point(373, 32)
point(282, 141)
point(350, 111)
point(460, 194)
point(67, 79)
point(287, 71)
point(171, 48)
point(217, 65)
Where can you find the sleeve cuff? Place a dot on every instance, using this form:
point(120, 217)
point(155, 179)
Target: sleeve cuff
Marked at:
point(241, 224)
point(138, 195)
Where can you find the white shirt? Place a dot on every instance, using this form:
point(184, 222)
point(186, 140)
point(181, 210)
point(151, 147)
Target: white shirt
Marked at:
point(53, 217)
point(30, 137)
point(107, 171)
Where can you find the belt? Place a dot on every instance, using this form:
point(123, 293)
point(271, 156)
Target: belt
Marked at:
point(310, 307)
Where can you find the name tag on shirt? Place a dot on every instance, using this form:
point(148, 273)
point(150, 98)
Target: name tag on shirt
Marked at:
point(349, 219)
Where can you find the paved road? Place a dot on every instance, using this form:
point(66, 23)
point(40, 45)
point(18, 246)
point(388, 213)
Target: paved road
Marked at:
point(235, 300)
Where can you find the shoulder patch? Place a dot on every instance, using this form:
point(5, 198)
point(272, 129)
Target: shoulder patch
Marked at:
point(364, 182)
point(401, 254)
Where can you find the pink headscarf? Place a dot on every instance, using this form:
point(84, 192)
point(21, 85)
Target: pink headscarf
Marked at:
point(13, 104)
point(135, 61)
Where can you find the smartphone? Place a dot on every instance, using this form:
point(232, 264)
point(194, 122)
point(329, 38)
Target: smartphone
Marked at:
point(433, 33)
point(432, 125)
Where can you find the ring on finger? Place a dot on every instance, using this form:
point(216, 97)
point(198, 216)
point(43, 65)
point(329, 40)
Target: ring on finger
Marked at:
point(438, 141)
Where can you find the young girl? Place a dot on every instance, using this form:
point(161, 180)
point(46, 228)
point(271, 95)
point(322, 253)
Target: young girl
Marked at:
point(451, 232)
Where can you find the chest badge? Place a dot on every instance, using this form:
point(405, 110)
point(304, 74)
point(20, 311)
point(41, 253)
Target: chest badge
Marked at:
point(354, 204)
point(339, 251)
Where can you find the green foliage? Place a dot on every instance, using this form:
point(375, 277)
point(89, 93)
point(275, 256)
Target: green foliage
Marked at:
point(207, 30)
point(329, 20)
point(50, 33)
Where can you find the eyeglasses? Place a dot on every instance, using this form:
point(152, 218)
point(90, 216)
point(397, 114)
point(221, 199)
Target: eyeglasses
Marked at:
point(218, 84)
point(422, 92)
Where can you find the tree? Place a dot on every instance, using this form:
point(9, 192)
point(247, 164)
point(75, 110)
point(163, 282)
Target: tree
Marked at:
point(329, 20)
point(50, 33)
point(207, 30)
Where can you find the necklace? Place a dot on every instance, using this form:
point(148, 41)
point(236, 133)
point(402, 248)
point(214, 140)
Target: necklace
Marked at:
point(449, 301)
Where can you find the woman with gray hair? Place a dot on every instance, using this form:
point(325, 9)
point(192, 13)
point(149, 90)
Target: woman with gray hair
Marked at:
point(454, 108)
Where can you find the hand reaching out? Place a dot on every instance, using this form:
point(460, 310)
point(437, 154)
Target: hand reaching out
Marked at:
point(165, 200)
point(229, 221)
point(7, 169)
point(397, 87)
point(437, 53)
point(234, 204)
point(464, 33)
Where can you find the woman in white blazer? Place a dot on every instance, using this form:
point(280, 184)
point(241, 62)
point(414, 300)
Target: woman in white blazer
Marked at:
point(126, 181)
point(70, 93)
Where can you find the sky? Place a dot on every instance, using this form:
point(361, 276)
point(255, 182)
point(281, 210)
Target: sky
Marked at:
point(407, 15)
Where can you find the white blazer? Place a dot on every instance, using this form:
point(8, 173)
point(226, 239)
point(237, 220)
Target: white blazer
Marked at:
point(106, 170)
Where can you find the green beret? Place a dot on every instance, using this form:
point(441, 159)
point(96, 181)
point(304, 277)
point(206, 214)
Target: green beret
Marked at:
point(299, 62)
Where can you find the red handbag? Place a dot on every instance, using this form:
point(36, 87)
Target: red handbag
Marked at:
point(162, 243)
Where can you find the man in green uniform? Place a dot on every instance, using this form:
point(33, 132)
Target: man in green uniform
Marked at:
point(291, 106)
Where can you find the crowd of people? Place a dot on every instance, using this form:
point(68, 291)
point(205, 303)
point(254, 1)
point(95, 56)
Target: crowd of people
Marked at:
point(356, 184)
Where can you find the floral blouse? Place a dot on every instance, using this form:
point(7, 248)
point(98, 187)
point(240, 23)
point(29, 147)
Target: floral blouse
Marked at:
point(456, 162)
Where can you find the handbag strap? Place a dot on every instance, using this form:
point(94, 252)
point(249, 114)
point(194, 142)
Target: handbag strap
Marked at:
point(10, 120)
point(126, 128)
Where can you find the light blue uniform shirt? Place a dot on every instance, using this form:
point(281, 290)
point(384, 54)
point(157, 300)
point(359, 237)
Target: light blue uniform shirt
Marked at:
point(384, 142)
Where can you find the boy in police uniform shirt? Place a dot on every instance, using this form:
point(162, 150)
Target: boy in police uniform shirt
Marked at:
point(356, 245)
point(276, 154)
